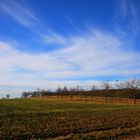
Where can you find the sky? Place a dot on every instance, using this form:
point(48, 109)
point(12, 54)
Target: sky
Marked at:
point(51, 43)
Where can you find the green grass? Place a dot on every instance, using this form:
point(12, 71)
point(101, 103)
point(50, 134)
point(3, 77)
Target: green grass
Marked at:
point(32, 105)
point(32, 118)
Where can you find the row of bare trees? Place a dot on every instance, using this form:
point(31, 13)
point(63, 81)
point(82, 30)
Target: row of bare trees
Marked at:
point(127, 89)
point(132, 86)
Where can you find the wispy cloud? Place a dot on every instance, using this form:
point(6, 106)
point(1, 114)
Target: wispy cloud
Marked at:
point(53, 38)
point(72, 23)
point(92, 55)
point(26, 17)
point(127, 17)
point(20, 14)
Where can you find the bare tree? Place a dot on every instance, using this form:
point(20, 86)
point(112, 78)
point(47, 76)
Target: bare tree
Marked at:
point(117, 87)
point(106, 87)
point(72, 91)
point(60, 92)
point(93, 88)
point(65, 89)
point(132, 85)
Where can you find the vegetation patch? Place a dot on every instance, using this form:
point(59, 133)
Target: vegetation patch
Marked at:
point(41, 119)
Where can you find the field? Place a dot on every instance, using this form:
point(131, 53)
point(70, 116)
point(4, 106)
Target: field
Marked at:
point(57, 118)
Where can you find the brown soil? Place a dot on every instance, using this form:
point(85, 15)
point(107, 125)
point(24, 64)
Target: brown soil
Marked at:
point(132, 138)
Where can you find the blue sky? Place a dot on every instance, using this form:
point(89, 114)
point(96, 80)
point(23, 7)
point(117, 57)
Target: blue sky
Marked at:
point(46, 43)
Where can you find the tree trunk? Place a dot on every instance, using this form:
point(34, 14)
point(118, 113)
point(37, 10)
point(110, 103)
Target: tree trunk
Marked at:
point(134, 99)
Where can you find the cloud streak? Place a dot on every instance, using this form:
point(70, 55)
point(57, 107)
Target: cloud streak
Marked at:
point(22, 15)
point(127, 17)
point(26, 17)
point(95, 54)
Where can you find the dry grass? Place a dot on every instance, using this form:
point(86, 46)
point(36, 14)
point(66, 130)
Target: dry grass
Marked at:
point(89, 99)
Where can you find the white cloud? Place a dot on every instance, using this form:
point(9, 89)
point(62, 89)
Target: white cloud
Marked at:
point(53, 38)
point(93, 55)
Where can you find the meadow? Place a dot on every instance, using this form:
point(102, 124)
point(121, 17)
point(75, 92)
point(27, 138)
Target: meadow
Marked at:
point(58, 118)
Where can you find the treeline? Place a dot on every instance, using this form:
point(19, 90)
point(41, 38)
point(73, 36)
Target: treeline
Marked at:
point(122, 93)
point(125, 89)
